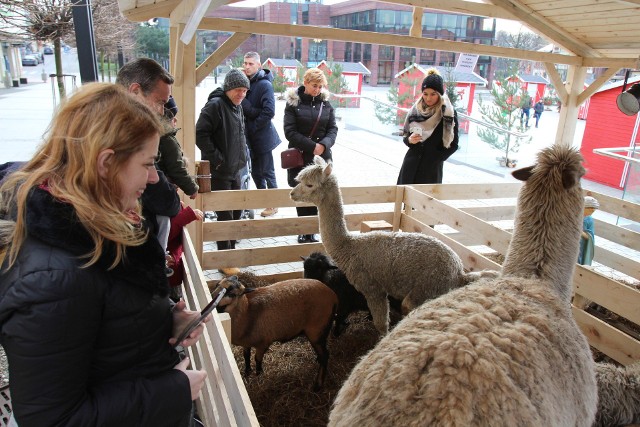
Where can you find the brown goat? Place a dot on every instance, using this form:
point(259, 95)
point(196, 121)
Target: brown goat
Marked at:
point(280, 312)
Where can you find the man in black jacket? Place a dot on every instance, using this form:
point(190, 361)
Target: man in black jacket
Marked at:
point(150, 83)
point(220, 136)
point(259, 107)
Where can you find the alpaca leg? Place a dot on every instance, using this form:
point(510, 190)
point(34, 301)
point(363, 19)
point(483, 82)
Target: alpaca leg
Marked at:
point(260, 351)
point(247, 360)
point(379, 307)
point(411, 301)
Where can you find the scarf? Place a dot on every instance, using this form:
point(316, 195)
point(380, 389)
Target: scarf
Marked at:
point(427, 118)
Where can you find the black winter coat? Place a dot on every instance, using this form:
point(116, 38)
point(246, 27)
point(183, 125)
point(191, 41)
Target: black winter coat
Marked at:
point(172, 163)
point(259, 107)
point(423, 163)
point(300, 115)
point(87, 346)
point(220, 136)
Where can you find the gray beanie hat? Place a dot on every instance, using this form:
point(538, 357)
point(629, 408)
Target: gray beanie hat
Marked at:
point(433, 81)
point(235, 79)
point(591, 202)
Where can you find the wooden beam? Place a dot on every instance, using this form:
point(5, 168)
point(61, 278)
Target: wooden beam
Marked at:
point(557, 81)
point(593, 87)
point(569, 112)
point(546, 28)
point(231, 44)
point(158, 9)
point(310, 31)
point(416, 25)
point(177, 56)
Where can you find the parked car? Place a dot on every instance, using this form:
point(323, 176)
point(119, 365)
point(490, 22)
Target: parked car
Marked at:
point(29, 60)
point(48, 50)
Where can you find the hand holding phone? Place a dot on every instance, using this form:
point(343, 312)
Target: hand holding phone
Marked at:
point(191, 326)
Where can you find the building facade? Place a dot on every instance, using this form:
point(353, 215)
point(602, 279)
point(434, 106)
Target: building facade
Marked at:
point(383, 61)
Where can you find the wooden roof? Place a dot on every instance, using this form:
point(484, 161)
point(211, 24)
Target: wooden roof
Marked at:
point(594, 32)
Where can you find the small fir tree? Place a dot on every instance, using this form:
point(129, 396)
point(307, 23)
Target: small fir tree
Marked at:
point(504, 112)
point(336, 83)
point(392, 112)
point(279, 85)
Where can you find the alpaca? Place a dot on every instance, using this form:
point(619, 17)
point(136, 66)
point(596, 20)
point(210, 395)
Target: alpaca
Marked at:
point(498, 352)
point(279, 312)
point(410, 267)
point(618, 395)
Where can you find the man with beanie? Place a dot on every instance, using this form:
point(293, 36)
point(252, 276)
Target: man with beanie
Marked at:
point(431, 133)
point(220, 136)
point(259, 107)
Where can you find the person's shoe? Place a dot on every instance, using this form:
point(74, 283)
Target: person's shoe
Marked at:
point(313, 238)
point(302, 238)
point(269, 212)
point(229, 271)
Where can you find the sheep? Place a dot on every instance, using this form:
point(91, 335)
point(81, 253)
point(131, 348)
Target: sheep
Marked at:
point(321, 267)
point(618, 395)
point(280, 312)
point(410, 267)
point(499, 352)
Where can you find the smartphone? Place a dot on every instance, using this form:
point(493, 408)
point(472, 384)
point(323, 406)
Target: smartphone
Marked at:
point(416, 130)
point(203, 314)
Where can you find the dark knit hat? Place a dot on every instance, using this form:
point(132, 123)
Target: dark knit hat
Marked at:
point(170, 108)
point(433, 81)
point(235, 79)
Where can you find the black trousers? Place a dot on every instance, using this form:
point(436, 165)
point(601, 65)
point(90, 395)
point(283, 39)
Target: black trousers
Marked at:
point(219, 184)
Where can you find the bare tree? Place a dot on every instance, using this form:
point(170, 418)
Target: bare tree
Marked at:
point(40, 20)
point(112, 32)
point(525, 40)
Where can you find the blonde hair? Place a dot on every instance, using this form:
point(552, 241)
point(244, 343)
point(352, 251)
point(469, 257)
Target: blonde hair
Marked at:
point(99, 116)
point(315, 75)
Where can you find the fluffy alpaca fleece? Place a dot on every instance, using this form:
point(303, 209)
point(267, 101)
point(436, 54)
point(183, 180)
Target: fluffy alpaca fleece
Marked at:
point(499, 352)
point(618, 395)
point(410, 267)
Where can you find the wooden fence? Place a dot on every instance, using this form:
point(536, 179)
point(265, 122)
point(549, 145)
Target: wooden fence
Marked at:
point(477, 219)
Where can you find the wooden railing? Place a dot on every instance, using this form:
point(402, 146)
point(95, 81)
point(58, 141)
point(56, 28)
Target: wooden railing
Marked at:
point(474, 214)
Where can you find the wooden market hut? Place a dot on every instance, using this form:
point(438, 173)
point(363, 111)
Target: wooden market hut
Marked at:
point(592, 32)
point(288, 68)
point(608, 127)
point(353, 73)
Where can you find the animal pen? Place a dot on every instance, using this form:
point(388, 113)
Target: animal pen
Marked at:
point(473, 216)
point(473, 219)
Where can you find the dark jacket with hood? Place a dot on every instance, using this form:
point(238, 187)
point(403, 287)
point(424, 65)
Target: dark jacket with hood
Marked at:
point(259, 108)
point(171, 162)
point(87, 346)
point(300, 115)
point(220, 136)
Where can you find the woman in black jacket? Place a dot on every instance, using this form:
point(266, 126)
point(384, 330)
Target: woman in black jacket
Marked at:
point(309, 126)
point(85, 318)
point(431, 133)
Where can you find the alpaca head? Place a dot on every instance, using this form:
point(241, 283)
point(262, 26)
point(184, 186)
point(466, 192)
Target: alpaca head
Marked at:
point(311, 180)
point(548, 219)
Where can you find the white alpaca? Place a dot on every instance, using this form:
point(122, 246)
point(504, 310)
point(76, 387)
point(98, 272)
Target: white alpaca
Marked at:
point(618, 395)
point(499, 352)
point(410, 267)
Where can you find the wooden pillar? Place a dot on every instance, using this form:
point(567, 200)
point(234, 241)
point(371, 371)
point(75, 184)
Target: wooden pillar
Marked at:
point(569, 110)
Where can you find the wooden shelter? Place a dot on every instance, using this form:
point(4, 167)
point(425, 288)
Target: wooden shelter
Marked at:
point(287, 68)
point(594, 33)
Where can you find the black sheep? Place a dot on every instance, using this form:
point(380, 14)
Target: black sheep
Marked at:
point(321, 267)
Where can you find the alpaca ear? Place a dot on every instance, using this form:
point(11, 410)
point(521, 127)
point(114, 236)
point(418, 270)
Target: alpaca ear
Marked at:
point(318, 160)
point(569, 179)
point(328, 169)
point(303, 258)
point(522, 174)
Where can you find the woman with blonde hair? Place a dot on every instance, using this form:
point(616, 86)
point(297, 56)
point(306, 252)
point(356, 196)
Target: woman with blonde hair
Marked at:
point(309, 126)
point(431, 133)
point(85, 318)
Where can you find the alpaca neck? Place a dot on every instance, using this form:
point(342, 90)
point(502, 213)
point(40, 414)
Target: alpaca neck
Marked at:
point(333, 227)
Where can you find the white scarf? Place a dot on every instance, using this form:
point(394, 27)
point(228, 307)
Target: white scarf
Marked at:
point(427, 118)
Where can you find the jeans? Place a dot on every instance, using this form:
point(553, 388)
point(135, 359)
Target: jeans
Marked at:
point(262, 170)
point(217, 184)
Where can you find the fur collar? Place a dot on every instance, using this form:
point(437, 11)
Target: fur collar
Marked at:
point(296, 95)
point(56, 224)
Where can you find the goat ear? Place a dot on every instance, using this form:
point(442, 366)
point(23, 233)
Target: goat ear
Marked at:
point(248, 290)
point(523, 174)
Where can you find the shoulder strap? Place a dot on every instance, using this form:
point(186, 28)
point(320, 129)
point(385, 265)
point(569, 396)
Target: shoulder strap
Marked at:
point(317, 120)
